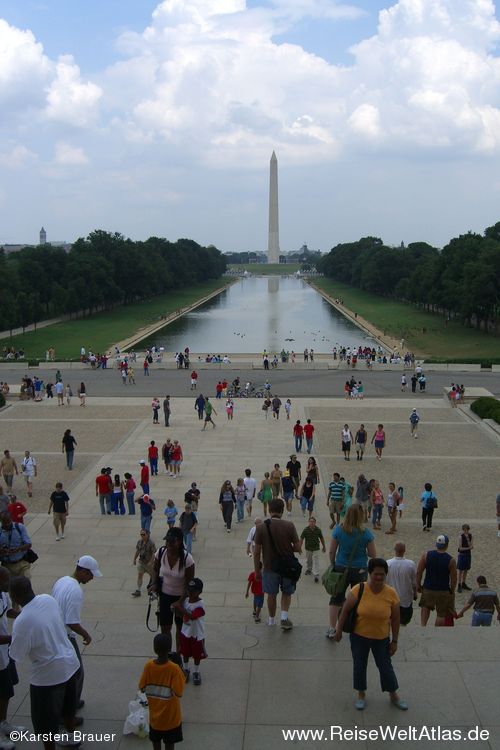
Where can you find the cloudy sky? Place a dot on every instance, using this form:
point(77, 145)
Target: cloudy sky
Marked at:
point(159, 118)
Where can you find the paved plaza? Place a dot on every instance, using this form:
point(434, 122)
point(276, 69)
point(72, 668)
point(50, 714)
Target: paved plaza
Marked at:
point(258, 680)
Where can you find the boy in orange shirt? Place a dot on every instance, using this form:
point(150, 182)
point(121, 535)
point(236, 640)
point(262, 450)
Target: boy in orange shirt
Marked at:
point(163, 682)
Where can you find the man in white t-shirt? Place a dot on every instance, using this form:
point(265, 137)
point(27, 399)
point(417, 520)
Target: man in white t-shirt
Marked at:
point(250, 485)
point(38, 634)
point(30, 471)
point(60, 393)
point(251, 536)
point(68, 594)
point(402, 577)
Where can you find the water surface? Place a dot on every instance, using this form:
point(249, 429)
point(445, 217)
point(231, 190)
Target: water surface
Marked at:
point(262, 313)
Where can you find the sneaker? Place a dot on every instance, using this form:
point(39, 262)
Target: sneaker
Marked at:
point(6, 728)
point(6, 743)
point(58, 537)
point(465, 587)
point(187, 674)
point(330, 633)
point(228, 531)
point(257, 619)
point(136, 593)
point(286, 624)
point(196, 678)
point(316, 579)
point(67, 739)
point(307, 573)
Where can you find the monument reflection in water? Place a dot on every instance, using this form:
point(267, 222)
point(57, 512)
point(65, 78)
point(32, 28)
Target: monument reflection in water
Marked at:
point(257, 313)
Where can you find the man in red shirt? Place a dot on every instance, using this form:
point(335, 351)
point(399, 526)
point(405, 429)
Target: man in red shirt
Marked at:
point(298, 433)
point(144, 477)
point(103, 488)
point(153, 459)
point(218, 390)
point(194, 380)
point(16, 509)
point(309, 432)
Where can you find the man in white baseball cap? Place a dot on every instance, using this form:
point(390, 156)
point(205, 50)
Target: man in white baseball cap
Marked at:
point(68, 594)
point(89, 563)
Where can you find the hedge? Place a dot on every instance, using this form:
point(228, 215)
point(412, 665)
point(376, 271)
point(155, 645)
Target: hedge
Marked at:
point(487, 407)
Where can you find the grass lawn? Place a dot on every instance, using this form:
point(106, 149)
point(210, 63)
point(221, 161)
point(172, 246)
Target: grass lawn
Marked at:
point(98, 332)
point(397, 319)
point(266, 269)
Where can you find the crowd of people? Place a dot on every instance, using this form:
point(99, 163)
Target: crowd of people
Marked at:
point(380, 592)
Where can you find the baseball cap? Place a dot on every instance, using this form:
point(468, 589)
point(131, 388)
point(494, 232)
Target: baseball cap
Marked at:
point(142, 461)
point(195, 584)
point(414, 410)
point(90, 563)
point(442, 541)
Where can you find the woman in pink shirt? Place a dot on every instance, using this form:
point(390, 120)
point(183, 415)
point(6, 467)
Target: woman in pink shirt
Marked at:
point(379, 438)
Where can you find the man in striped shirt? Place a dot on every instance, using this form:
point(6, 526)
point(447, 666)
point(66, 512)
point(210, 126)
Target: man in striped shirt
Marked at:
point(335, 499)
point(484, 600)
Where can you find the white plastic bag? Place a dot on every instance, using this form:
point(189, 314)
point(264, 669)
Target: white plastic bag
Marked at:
point(137, 721)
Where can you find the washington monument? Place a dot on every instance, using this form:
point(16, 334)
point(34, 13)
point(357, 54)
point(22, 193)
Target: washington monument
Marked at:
point(273, 245)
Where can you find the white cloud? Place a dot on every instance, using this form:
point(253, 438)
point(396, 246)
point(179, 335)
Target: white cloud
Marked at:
point(221, 88)
point(69, 99)
point(24, 69)
point(365, 120)
point(19, 156)
point(70, 156)
point(31, 81)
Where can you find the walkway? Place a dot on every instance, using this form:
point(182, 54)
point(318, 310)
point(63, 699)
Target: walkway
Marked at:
point(259, 681)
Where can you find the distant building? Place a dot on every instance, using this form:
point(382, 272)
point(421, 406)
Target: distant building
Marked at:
point(43, 237)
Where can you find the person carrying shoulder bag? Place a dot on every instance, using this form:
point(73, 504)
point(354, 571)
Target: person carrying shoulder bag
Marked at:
point(350, 547)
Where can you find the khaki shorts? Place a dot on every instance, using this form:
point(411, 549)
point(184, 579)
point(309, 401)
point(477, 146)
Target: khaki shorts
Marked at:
point(20, 568)
point(441, 601)
point(59, 517)
point(149, 569)
point(336, 506)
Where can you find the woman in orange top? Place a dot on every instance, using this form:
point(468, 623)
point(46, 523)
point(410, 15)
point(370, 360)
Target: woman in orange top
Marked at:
point(377, 616)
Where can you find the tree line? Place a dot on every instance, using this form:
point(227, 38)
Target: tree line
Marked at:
point(99, 272)
point(460, 281)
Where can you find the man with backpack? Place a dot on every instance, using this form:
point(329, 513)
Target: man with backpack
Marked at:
point(276, 539)
point(414, 420)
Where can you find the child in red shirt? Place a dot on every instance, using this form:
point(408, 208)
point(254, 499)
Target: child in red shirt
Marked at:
point(17, 510)
point(153, 458)
point(255, 584)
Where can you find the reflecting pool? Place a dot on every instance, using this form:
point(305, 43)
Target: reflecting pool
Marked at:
point(257, 313)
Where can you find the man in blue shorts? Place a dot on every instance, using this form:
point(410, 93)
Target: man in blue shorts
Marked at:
point(275, 538)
